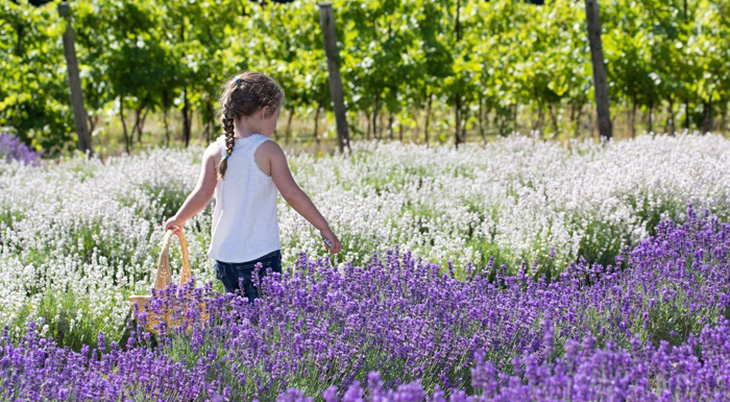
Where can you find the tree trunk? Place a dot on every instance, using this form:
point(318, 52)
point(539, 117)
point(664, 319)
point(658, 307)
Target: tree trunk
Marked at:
point(209, 124)
point(633, 116)
point(707, 116)
point(140, 114)
point(572, 113)
point(670, 121)
point(316, 121)
point(375, 117)
point(554, 118)
point(464, 119)
point(327, 24)
point(576, 133)
point(186, 117)
point(135, 129)
point(599, 69)
point(457, 122)
point(428, 118)
point(541, 119)
point(367, 129)
point(74, 80)
point(127, 139)
point(144, 119)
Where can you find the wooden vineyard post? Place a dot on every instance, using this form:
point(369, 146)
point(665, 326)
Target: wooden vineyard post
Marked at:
point(599, 69)
point(327, 22)
point(72, 67)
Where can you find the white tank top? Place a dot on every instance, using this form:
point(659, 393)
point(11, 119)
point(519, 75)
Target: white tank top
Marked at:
point(245, 221)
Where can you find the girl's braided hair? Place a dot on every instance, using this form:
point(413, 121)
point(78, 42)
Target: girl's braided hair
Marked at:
point(243, 95)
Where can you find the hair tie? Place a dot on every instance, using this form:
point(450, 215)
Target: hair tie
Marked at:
point(239, 80)
point(225, 157)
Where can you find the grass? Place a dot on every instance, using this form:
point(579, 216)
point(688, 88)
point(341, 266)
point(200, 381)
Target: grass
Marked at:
point(70, 319)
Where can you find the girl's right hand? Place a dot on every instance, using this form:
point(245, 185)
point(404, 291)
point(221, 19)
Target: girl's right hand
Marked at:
point(175, 224)
point(331, 241)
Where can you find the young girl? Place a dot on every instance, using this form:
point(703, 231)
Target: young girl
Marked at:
point(244, 168)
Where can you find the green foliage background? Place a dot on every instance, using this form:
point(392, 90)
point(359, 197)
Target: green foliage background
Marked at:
point(397, 57)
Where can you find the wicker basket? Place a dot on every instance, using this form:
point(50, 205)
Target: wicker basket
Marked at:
point(164, 278)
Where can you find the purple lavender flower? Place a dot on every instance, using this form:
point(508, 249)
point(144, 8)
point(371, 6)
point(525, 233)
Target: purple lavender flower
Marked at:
point(11, 148)
point(398, 329)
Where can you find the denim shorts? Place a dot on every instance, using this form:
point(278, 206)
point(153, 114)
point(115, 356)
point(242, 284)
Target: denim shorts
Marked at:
point(230, 272)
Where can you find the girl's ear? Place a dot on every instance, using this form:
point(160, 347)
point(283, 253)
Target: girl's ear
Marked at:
point(264, 112)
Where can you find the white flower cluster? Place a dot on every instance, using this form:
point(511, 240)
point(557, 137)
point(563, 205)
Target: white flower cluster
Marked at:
point(93, 231)
point(518, 197)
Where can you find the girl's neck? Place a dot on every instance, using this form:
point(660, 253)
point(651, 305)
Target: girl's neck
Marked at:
point(243, 131)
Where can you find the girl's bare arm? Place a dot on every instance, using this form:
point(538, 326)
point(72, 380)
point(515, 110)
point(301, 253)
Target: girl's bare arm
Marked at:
point(294, 195)
point(203, 192)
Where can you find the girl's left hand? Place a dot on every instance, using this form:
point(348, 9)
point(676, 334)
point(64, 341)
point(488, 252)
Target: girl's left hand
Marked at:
point(174, 223)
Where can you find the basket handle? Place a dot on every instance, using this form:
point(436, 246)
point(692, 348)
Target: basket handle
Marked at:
point(164, 276)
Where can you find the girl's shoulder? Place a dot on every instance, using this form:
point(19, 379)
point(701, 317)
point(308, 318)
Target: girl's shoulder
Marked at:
point(269, 145)
point(219, 144)
point(214, 150)
point(271, 150)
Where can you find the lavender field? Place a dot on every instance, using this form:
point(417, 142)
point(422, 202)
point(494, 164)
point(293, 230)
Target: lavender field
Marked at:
point(522, 270)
